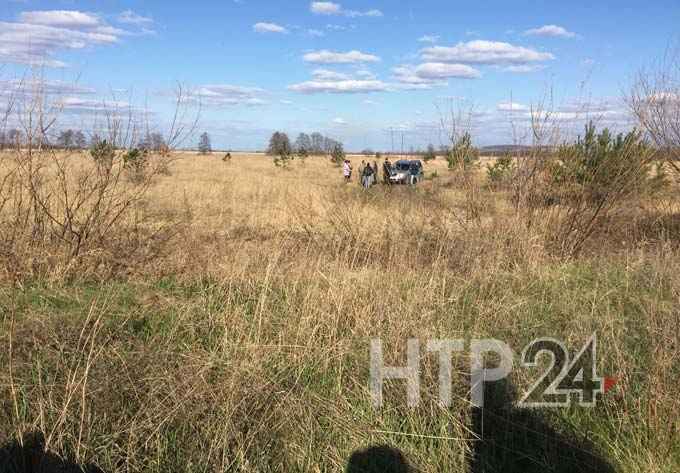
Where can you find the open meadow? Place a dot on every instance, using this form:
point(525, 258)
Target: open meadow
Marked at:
point(339, 237)
point(225, 323)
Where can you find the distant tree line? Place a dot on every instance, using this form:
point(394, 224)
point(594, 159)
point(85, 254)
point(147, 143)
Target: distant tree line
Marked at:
point(152, 142)
point(305, 145)
point(11, 139)
point(316, 143)
point(66, 139)
point(71, 139)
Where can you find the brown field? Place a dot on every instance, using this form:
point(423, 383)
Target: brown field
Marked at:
point(224, 324)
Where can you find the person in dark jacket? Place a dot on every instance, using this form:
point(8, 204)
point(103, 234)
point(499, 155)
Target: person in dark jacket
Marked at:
point(387, 170)
point(367, 176)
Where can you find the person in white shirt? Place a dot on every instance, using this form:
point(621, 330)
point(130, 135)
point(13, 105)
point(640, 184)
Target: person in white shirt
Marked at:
point(347, 170)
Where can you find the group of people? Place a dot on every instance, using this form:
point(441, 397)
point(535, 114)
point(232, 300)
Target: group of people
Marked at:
point(368, 173)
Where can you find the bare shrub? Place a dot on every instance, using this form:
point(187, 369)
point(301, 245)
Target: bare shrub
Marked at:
point(654, 100)
point(456, 126)
point(62, 217)
point(65, 216)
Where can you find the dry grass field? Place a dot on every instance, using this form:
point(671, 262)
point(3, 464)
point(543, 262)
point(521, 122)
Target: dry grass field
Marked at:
point(224, 323)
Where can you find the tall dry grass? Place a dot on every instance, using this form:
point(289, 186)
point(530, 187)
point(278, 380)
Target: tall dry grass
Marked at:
point(243, 344)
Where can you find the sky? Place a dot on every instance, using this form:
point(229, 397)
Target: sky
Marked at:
point(372, 74)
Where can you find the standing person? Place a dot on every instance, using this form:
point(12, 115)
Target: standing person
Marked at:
point(387, 170)
point(366, 177)
point(414, 172)
point(375, 172)
point(347, 170)
point(362, 168)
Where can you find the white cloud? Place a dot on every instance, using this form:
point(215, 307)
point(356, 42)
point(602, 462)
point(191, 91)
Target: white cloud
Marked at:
point(316, 33)
point(664, 98)
point(325, 8)
point(374, 13)
point(574, 114)
point(89, 105)
point(331, 57)
point(224, 95)
point(369, 102)
point(524, 68)
point(327, 81)
point(551, 31)
point(35, 44)
point(365, 74)
point(60, 18)
point(429, 39)
point(409, 79)
point(438, 70)
point(269, 28)
point(432, 74)
point(339, 86)
point(132, 18)
point(484, 52)
point(332, 27)
point(339, 121)
point(43, 87)
point(326, 75)
point(511, 107)
point(590, 106)
point(330, 8)
point(39, 35)
point(602, 118)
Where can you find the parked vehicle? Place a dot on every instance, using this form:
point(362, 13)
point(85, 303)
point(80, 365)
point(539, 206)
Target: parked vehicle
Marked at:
point(406, 172)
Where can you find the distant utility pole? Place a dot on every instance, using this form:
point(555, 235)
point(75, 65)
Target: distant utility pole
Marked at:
point(392, 140)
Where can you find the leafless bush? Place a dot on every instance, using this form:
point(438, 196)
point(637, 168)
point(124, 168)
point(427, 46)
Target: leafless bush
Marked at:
point(65, 215)
point(456, 126)
point(455, 132)
point(528, 183)
point(655, 101)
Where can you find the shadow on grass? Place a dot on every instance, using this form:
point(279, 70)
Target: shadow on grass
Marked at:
point(32, 458)
point(378, 459)
point(509, 440)
point(520, 440)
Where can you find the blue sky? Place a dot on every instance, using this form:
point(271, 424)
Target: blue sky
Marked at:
point(353, 69)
